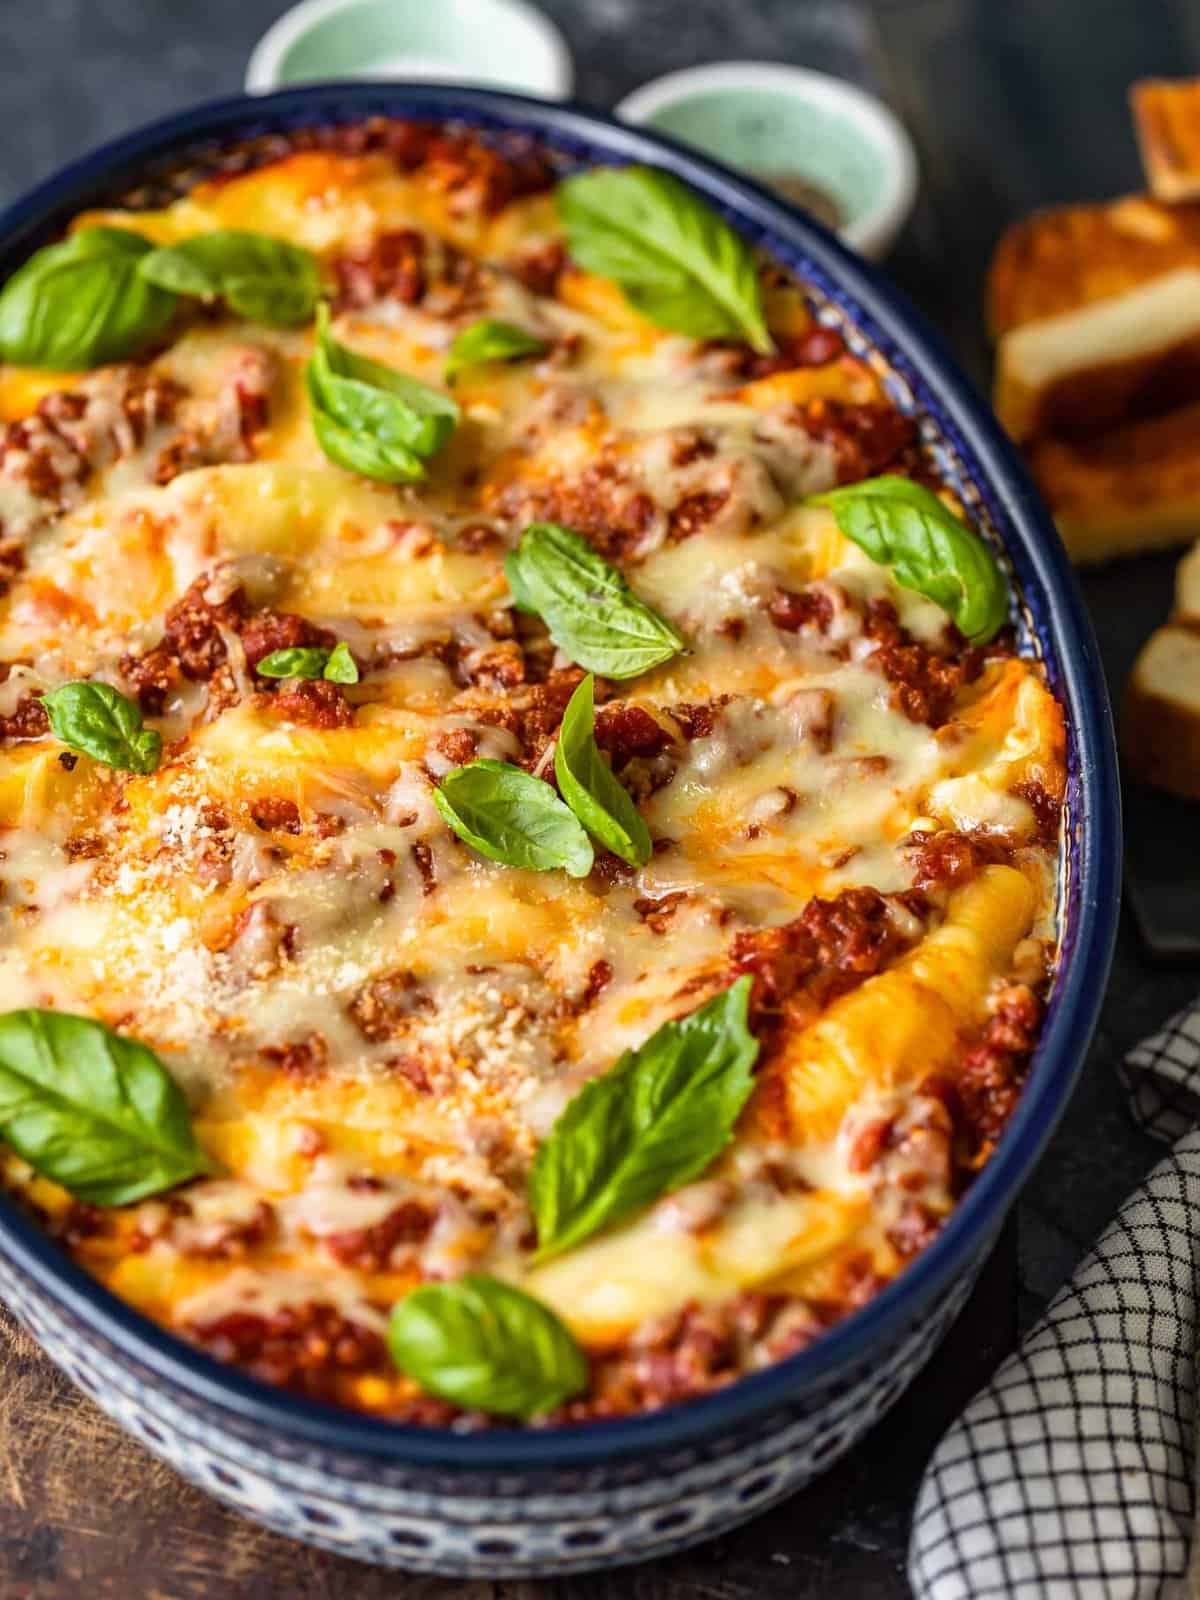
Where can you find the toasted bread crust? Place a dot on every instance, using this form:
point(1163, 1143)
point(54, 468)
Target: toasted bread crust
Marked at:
point(1096, 313)
point(1187, 589)
point(1166, 121)
point(1160, 716)
point(1069, 256)
point(1133, 355)
point(1124, 491)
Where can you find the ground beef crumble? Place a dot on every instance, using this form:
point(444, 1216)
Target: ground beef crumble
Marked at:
point(409, 268)
point(194, 646)
point(798, 967)
point(866, 439)
point(371, 1249)
point(72, 432)
point(924, 684)
point(992, 1073)
point(27, 721)
point(384, 1007)
point(481, 174)
point(310, 1349)
point(816, 346)
point(1046, 808)
point(948, 857)
point(602, 502)
point(530, 713)
point(313, 702)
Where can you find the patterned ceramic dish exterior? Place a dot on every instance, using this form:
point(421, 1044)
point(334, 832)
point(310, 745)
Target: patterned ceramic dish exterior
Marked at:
point(561, 1500)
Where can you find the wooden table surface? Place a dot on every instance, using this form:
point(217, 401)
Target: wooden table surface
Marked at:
point(1012, 103)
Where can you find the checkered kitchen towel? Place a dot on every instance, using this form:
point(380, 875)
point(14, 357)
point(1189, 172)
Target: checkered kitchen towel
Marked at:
point(1071, 1476)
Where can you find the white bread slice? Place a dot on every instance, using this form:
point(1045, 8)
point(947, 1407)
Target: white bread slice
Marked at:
point(1104, 362)
point(1125, 491)
point(1065, 257)
point(1160, 720)
point(1187, 589)
point(1166, 121)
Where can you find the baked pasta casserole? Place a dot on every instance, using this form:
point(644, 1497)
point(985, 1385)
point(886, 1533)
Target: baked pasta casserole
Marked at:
point(529, 846)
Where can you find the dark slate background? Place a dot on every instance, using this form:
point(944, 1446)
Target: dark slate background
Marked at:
point(1012, 103)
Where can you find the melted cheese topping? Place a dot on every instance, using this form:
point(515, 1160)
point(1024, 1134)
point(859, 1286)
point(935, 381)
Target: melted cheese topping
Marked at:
point(365, 1015)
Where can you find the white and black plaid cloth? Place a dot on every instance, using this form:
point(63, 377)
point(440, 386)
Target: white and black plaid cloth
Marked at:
point(1071, 1476)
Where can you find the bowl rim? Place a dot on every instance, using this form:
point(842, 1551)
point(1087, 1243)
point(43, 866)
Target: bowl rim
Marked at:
point(1094, 851)
point(882, 131)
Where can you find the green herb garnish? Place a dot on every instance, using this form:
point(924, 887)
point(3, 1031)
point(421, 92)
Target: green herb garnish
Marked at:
point(82, 302)
point(311, 661)
point(370, 418)
point(651, 1124)
point(490, 340)
point(586, 783)
point(675, 259)
point(514, 818)
point(906, 528)
point(590, 610)
point(488, 1346)
point(96, 1112)
point(99, 721)
point(261, 278)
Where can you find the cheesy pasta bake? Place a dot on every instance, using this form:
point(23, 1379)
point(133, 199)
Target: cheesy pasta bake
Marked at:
point(528, 844)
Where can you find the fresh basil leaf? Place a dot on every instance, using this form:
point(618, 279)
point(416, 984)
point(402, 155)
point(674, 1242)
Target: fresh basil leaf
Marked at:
point(302, 661)
point(591, 612)
point(99, 721)
point(514, 818)
point(311, 661)
point(651, 1124)
point(488, 1346)
point(341, 666)
point(103, 241)
point(490, 340)
point(82, 302)
point(370, 418)
point(358, 452)
point(906, 528)
point(98, 1113)
point(586, 783)
point(520, 594)
point(674, 258)
point(264, 279)
point(391, 403)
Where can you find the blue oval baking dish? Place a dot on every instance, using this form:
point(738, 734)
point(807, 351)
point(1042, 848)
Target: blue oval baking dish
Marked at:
point(552, 1501)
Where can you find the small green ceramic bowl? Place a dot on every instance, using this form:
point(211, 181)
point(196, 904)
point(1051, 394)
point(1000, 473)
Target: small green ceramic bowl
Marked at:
point(501, 43)
point(825, 144)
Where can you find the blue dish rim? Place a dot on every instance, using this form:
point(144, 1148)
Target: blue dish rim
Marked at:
point(1042, 565)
